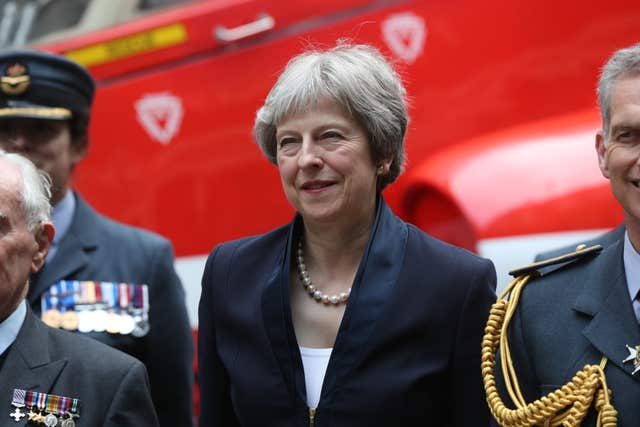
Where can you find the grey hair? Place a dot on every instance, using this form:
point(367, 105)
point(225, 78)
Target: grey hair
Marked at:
point(361, 81)
point(622, 63)
point(36, 191)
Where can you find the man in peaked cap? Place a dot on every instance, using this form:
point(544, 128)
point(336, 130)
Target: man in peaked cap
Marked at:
point(45, 103)
point(47, 375)
point(583, 312)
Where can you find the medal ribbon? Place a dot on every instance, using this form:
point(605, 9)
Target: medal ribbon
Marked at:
point(51, 404)
point(145, 299)
point(42, 401)
point(97, 291)
point(18, 397)
point(124, 297)
point(74, 407)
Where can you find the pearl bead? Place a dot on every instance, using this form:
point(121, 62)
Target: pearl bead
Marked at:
point(313, 292)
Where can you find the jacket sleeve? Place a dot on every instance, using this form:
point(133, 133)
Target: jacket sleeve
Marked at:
point(467, 397)
point(169, 343)
point(131, 403)
point(216, 409)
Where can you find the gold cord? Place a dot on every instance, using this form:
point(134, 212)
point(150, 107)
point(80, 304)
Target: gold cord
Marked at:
point(565, 407)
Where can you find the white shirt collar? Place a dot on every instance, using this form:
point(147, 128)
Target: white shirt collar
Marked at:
point(62, 217)
point(10, 327)
point(631, 267)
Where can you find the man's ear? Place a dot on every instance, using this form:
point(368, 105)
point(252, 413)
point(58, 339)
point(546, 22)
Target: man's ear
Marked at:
point(386, 165)
point(79, 149)
point(603, 158)
point(44, 236)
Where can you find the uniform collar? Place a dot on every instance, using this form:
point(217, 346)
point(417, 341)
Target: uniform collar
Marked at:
point(10, 327)
point(62, 217)
point(631, 267)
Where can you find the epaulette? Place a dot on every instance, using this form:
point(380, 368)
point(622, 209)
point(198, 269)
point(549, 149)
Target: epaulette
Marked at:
point(542, 268)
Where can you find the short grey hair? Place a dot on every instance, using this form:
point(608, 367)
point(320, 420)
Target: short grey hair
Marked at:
point(36, 191)
point(621, 64)
point(361, 81)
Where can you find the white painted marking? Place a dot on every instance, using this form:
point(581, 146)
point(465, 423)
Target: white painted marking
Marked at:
point(160, 114)
point(190, 271)
point(405, 34)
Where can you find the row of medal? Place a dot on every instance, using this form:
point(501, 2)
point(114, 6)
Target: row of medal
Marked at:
point(47, 409)
point(85, 306)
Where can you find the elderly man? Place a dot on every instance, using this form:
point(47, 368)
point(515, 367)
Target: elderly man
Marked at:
point(582, 315)
point(49, 376)
point(118, 282)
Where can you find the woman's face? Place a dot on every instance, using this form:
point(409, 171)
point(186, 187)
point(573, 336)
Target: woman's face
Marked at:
point(325, 165)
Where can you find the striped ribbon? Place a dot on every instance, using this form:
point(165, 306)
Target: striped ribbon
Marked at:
point(18, 397)
point(50, 402)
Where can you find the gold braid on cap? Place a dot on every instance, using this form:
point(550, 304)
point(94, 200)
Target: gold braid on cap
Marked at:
point(566, 406)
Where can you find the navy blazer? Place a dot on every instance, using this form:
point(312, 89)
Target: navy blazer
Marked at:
point(112, 387)
point(98, 249)
point(572, 318)
point(407, 351)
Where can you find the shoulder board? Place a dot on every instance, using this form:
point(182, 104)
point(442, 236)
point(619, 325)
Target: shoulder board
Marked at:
point(542, 268)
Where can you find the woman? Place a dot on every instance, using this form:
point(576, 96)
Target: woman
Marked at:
point(347, 316)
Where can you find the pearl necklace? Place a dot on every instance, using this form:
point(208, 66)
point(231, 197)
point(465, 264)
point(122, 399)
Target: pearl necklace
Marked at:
point(319, 296)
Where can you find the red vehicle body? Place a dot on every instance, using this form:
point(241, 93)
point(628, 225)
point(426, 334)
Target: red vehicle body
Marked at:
point(500, 143)
point(503, 115)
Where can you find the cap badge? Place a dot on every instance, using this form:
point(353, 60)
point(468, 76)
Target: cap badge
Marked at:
point(15, 80)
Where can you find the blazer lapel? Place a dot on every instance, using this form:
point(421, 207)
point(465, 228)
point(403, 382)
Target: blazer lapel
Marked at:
point(73, 252)
point(378, 272)
point(276, 313)
point(28, 365)
point(606, 298)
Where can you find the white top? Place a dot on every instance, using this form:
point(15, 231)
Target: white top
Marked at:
point(632, 271)
point(10, 327)
point(314, 361)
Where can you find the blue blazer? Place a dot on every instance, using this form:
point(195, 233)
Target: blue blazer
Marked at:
point(99, 249)
point(407, 351)
point(572, 318)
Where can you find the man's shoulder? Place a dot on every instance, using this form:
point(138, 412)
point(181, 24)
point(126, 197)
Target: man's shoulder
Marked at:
point(82, 351)
point(115, 231)
point(605, 240)
point(560, 279)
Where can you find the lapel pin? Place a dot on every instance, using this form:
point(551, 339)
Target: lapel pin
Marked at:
point(634, 357)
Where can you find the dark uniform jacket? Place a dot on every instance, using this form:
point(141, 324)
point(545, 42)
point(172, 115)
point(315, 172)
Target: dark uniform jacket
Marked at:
point(112, 387)
point(98, 249)
point(570, 318)
point(407, 351)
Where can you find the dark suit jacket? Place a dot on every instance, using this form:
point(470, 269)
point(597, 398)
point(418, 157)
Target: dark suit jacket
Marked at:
point(96, 248)
point(604, 240)
point(571, 318)
point(113, 388)
point(407, 351)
